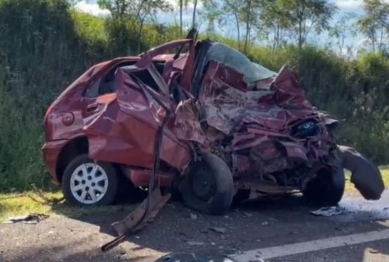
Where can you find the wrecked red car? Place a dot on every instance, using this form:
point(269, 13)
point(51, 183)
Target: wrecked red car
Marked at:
point(227, 127)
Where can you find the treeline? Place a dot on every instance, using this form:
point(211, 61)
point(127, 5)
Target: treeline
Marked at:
point(44, 46)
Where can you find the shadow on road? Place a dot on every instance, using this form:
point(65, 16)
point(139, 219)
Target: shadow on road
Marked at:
point(254, 224)
point(187, 234)
point(74, 251)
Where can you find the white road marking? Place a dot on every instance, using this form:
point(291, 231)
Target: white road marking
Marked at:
point(309, 246)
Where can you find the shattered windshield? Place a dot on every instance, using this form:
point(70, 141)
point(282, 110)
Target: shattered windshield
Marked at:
point(232, 58)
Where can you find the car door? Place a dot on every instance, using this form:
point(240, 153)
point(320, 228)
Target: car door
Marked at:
point(100, 87)
point(90, 105)
point(124, 129)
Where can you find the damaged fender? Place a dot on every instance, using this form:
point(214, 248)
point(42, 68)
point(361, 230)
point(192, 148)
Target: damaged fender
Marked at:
point(365, 176)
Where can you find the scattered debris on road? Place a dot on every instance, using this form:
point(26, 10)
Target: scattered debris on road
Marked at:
point(221, 254)
point(185, 235)
point(33, 218)
point(248, 214)
point(220, 230)
point(272, 219)
point(195, 243)
point(328, 211)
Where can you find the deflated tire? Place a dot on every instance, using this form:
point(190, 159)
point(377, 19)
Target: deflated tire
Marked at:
point(208, 188)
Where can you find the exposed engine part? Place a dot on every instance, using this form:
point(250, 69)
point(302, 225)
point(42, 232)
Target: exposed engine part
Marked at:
point(305, 129)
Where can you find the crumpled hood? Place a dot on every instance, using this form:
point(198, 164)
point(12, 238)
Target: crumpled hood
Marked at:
point(233, 91)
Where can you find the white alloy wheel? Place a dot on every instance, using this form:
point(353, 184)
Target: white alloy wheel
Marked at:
point(89, 183)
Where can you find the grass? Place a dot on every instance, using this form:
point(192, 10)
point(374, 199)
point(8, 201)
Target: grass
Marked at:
point(29, 202)
point(52, 203)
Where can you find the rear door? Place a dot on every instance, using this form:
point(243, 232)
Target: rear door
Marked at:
point(125, 128)
point(96, 95)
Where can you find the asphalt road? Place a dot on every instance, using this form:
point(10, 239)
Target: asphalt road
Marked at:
point(267, 230)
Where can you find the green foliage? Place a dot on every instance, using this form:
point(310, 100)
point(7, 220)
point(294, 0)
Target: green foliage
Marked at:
point(45, 46)
point(304, 15)
point(121, 37)
point(374, 22)
point(42, 51)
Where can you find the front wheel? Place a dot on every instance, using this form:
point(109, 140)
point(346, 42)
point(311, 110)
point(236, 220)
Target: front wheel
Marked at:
point(327, 188)
point(86, 183)
point(208, 187)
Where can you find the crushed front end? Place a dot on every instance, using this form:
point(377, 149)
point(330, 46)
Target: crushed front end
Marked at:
point(258, 121)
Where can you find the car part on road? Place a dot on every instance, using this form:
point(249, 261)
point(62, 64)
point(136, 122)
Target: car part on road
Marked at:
point(328, 211)
point(201, 256)
point(33, 218)
point(88, 182)
point(131, 222)
point(365, 176)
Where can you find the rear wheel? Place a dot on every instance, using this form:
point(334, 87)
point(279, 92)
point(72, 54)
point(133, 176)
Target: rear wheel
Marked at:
point(88, 183)
point(208, 188)
point(327, 188)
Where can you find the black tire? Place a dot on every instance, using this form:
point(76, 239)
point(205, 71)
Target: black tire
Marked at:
point(327, 188)
point(112, 177)
point(215, 172)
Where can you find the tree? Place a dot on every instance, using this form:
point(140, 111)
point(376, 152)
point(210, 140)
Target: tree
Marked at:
point(136, 12)
point(275, 20)
point(305, 15)
point(210, 13)
point(247, 17)
point(73, 2)
point(242, 13)
point(194, 13)
point(343, 29)
point(228, 9)
point(182, 4)
point(148, 9)
point(247, 13)
point(118, 8)
point(373, 24)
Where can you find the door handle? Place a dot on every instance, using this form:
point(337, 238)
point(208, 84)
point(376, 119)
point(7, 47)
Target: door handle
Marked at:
point(92, 108)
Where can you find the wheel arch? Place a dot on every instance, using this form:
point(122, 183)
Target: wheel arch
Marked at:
point(75, 147)
point(70, 151)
